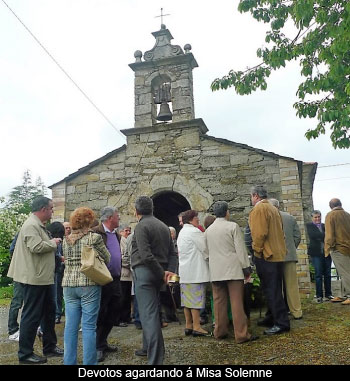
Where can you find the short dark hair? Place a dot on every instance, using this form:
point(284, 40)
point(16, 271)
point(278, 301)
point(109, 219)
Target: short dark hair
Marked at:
point(188, 216)
point(56, 229)
point(144, 206)
point(220, 209)
point(260, 190)
point(39, 203)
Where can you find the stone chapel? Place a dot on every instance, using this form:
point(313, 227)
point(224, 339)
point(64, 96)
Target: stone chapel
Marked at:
point(170, 157)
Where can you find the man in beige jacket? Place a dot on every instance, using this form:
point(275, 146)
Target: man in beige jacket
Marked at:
point(270, 250)
point(229, 266)
point(33, 265)
point(337, 244)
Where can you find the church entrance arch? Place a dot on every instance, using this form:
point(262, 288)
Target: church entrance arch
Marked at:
point(168, 205)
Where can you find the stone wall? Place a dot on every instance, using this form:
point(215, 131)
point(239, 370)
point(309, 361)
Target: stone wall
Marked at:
point(201, 168)
point(59, 201)
point(293, 204)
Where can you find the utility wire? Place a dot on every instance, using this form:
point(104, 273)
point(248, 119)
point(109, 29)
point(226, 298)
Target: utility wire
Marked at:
point(64, 71)
point(334, 178)
point(333, 165)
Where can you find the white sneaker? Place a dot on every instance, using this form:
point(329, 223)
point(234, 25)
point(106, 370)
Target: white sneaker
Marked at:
point(14, 336)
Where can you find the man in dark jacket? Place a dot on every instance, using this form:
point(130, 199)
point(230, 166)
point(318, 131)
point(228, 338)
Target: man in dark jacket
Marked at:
point(152, 257)
point(111, 292)
point(322, 264)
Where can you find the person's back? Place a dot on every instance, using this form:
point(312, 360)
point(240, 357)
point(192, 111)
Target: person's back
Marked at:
point(227, 251)
point(266, 228)
point(337, 244)
point(292, 236)
point(152, 252)
point(337, 226)
point(154, 235)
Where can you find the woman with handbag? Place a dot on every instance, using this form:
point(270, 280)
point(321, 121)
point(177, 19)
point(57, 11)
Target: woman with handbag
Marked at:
point(82, 295)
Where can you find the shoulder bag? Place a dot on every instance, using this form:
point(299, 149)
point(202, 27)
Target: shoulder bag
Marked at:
point(93, 266)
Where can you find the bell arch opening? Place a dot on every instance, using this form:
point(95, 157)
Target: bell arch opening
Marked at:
point(161, 99)
point(168, 205)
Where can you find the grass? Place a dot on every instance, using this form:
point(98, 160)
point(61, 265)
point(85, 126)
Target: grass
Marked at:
point(6, 294)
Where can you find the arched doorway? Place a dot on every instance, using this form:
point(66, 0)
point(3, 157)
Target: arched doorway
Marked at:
point(168, 205)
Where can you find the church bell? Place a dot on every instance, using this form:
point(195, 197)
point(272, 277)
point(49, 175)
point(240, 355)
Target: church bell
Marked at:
point(164, 114)
point(162, 97)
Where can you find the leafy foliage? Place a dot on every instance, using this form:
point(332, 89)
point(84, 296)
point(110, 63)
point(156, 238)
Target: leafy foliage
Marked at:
point(12, 216)
point(321, 44)
point(10, 222)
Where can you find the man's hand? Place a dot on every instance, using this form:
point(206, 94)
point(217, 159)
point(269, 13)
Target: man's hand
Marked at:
point(167, 275)
point(57, 240)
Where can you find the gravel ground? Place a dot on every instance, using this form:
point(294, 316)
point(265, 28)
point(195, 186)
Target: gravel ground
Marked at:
point(321, 337)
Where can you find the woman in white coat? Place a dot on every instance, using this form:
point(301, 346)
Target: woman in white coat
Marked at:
point(193, 271)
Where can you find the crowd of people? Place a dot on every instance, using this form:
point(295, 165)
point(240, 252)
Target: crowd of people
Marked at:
point(46, 263)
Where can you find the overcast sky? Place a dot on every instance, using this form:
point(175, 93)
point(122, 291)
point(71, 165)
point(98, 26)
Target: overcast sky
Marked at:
point(49, 127)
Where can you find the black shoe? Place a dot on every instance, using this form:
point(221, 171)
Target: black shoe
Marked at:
point(111, 348)
point(252, 338)
point(34, 359)
point(275, 330)
point(141, 352)
point(56, 352)
point(138, 326)
point(188, 331)
point(197, 333)
point(265, 323)
point(122, 324)
point(58, 321)
point(100, 356)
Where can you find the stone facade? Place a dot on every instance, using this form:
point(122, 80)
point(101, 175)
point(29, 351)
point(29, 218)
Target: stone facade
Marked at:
point(179, 157)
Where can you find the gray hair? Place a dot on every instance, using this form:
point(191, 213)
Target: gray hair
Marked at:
point(314, 212)
point(274, 202)
point(123, 226)
point(144, 205)
point(220, 208)
point(39, 203)
point(107, 212)
point(173, 230)
point(259, 190)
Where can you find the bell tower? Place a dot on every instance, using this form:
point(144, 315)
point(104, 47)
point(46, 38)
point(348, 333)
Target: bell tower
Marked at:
point(163, 82)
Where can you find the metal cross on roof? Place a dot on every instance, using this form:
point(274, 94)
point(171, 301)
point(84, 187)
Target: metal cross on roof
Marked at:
point(161, 16)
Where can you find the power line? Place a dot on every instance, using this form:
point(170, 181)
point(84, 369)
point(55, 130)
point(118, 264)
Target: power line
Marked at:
point(333, 165)
point(64, 71)
point(334, 178)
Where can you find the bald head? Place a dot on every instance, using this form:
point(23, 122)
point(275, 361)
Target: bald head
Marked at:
point(334, 203)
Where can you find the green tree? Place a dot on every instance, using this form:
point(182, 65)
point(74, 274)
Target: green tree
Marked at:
point(21, 196)
point(15, 211)
point(321, 43)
